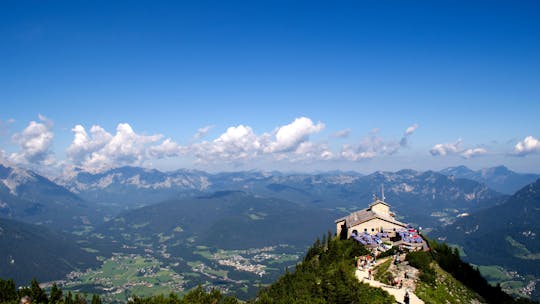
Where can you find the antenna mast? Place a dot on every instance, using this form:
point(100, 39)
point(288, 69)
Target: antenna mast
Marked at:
point(382, 192)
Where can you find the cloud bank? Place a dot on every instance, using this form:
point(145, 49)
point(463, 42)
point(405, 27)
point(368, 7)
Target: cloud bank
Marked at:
point(95, 149)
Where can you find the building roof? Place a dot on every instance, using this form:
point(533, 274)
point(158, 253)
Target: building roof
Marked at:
point(367, 214)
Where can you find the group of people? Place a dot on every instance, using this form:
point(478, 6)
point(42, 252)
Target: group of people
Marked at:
point(395, 282)
point(366, 261)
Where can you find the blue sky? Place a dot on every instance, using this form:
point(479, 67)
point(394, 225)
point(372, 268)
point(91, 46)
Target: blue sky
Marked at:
point(465, 74)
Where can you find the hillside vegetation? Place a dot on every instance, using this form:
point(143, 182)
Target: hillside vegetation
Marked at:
point(442, 272)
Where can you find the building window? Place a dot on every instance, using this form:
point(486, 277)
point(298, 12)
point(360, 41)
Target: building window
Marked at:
point(365, 229)
point(372, 229)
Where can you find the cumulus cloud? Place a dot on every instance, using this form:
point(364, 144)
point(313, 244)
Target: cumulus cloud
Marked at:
point(456, 149)
point(348, 152)
point(446, 149)
point(83, 145)
point(309, 151)
point(201, 132)
point(342, 133)
point(240, 143)
point(289, 137)
point(408, 132)
point(168, 148)
point(35, 142)
point(101, 150)
point(97, 149)
point(473, 152)
point(237, 143)
point(527, 146)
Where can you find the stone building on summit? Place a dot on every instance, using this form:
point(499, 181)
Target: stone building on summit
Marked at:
point(377, 218)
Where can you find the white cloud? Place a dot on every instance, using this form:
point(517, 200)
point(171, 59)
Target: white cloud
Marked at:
point(103, 150)
point(237, 143)
point(35, 142)
point(289, 137)
point(456, 149)
point(350, 153)
point(98, 150)
point(446, 149)
point(473, 152)
point(528, 145)
point(168, 148)
point(309, 151)
point(83, 146)
point(201, 132)
point(373, 146)
point(342, 133)
point(408, 132)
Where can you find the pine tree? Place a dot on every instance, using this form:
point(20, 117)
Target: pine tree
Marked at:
point(69, 298)
point(55, 295)
point(8, 291)
point(80, 299)
point(38, 295)
point(96, 299)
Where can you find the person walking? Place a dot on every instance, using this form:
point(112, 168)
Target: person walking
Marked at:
point(406, 299)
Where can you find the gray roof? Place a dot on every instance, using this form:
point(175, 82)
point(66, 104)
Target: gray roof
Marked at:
point(365, 215)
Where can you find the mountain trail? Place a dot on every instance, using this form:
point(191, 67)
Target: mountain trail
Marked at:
point(398, 293)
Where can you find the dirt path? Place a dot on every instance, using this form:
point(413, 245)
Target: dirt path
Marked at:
point(398, 293)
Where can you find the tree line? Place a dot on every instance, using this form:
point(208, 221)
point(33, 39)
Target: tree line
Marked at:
point(10, 294)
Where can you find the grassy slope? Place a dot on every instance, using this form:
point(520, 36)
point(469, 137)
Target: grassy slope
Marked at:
point(447, 290)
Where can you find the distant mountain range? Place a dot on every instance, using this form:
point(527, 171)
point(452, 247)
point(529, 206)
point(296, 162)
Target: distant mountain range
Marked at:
point(30, 197)
point(427, 198)
point(498, 178)
point(134, 186)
